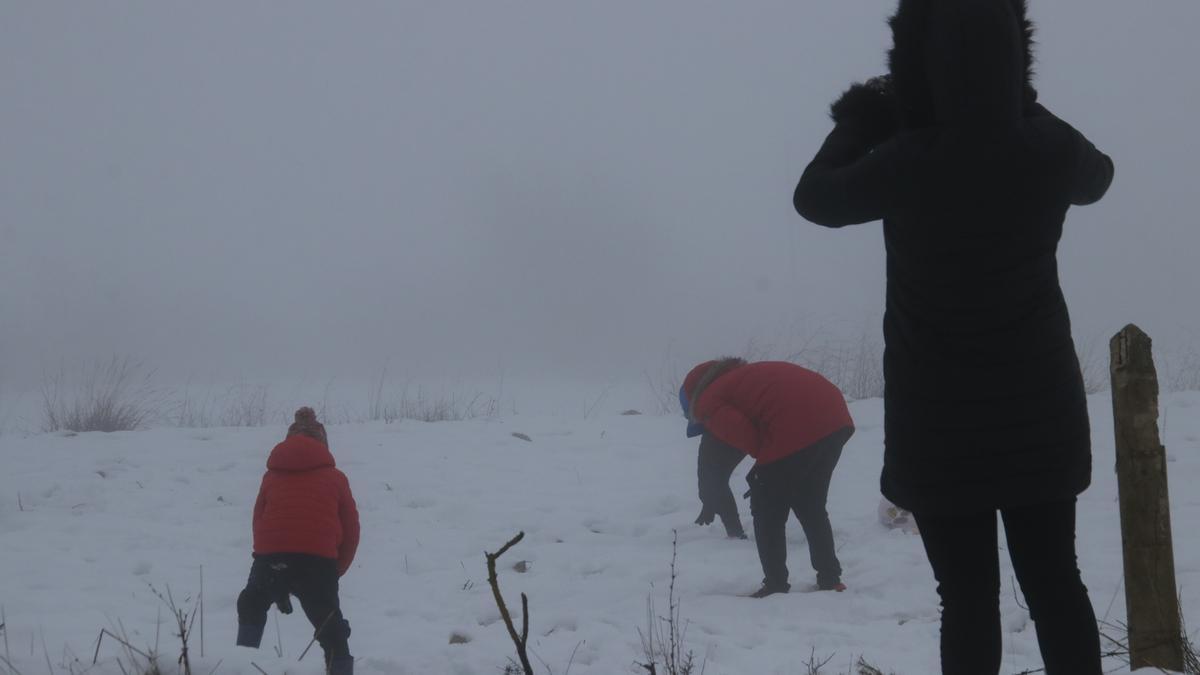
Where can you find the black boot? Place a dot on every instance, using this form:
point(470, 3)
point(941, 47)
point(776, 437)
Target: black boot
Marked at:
point(771, 589)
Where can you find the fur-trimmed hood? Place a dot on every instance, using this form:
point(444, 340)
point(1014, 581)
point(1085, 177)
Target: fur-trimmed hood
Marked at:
point(961, 61)
point(698, 379)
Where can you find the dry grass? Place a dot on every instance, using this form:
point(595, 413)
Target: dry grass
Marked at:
point(425, 405)
point(241, 405)
point(112, 395)
point(663, 642)
point(1117, 635)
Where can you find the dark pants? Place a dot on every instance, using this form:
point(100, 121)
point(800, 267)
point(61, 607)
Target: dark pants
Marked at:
point(1041, 543)
point(313, 580)
point(715, 464)
point(799, 484)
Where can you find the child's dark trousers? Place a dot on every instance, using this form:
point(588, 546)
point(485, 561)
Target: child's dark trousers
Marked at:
point(313, 580)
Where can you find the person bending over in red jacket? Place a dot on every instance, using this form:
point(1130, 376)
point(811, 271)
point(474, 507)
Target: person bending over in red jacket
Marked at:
point(305, 535)
point(793, 422)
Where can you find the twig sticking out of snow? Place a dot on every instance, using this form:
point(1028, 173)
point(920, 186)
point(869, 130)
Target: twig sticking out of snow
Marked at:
point(520, 641)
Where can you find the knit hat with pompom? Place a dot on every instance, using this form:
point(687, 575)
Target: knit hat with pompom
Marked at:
point(306, 424)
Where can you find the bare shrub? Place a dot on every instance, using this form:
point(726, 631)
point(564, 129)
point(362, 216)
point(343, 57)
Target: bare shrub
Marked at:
point(425, 406)
point(145, 662)
point(241, 405)
point(865, 668)
point(112, 395)
point(184, 620)
point(245, 406)
point(814, 664)
point(445, 407)
point(1093, 364)
point(855, 366)
point(663, 641)
point(664, 382)
point(377, 407)
point(190, 412)
point(331, 413)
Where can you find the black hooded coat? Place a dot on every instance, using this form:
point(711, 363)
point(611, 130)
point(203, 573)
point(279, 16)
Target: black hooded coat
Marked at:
point(984, 400)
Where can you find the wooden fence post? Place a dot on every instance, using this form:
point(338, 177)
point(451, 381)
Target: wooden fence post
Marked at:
point(1155, 636)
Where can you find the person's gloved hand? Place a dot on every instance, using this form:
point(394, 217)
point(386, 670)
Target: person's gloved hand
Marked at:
point(706, 517)
point(869, 107)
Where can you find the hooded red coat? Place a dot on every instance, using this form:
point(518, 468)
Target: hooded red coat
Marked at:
point(304, 504)
point(770, 409)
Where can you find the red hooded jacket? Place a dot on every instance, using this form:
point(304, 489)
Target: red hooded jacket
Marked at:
point(768, 410)
point(305, 504)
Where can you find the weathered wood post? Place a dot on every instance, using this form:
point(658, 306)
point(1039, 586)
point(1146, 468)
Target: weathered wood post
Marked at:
point(1155, 637)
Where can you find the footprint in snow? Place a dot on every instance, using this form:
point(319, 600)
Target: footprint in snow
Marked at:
point(595, 526)
point(592, 569)
point(142, 569)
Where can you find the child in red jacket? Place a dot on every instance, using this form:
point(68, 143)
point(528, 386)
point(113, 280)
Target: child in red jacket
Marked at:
point(793, 422)
point(305, 536)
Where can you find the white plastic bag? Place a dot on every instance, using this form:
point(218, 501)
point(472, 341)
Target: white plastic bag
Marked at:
point(895, 518)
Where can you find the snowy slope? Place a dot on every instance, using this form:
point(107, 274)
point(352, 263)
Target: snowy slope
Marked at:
point(88, 523)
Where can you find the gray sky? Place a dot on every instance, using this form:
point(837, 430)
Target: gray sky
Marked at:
point(310, 186)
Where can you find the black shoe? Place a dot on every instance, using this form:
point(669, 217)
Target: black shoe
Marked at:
point(771, 589)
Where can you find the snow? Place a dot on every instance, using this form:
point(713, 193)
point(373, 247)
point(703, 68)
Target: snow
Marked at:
point(91, 523)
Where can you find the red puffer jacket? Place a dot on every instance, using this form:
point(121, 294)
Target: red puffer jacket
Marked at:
point(768, 410)
point(305, 504)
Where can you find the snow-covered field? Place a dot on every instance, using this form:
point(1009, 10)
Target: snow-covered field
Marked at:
point(89, 523)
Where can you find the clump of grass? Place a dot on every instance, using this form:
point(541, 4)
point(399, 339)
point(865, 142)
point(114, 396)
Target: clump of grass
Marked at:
point(246, 406)
point(241, 405)
point(112, 395)
point(422, 405)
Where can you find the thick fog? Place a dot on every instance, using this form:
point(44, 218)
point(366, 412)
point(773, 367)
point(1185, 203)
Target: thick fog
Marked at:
point(457, 187)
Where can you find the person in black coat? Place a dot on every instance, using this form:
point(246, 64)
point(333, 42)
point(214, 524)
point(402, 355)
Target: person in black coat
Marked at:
point(715, 464)
point(984, 402)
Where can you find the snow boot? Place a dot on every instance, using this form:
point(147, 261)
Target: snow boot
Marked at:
point(249, 636)
point(341, 665)
point(771, 589)
point(828, 585)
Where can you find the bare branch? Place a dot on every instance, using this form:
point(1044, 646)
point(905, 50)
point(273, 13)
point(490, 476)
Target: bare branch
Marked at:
point(519, 641)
